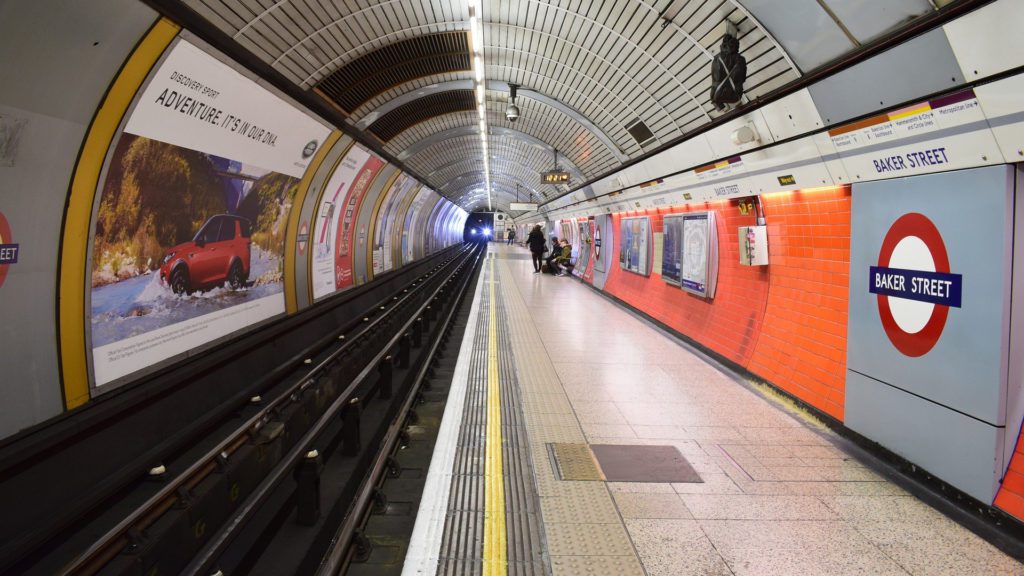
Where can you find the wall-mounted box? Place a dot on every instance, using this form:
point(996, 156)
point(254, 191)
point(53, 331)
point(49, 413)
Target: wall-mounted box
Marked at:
point(753, 245)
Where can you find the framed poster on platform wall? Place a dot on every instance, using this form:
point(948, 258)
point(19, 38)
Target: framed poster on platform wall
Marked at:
point(699, 271)
point(672, 255)
point(583, 248)
point(635, 245)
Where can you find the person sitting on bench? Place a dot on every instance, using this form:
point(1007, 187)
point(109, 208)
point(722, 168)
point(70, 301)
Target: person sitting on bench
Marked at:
point(564, 260)
point(556, 251)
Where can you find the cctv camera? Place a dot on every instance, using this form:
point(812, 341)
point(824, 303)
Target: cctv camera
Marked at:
point(512, 113)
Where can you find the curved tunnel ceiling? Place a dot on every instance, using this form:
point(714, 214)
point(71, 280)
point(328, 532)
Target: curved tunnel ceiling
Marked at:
point(587, 71)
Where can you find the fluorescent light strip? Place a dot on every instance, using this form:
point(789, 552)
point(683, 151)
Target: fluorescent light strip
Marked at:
point(477, 49)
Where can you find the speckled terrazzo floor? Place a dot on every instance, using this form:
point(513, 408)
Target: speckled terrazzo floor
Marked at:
point(778, 498)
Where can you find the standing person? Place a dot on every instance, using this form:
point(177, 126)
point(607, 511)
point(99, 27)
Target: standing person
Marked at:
point(535, 240)
point(511, 235)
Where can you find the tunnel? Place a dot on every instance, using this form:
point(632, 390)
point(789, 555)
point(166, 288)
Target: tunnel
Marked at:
point(529, 286)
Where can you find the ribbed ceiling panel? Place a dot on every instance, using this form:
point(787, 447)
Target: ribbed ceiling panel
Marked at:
point(403, 117)
point(607, 61)
point(363, 78)
point(374, 104)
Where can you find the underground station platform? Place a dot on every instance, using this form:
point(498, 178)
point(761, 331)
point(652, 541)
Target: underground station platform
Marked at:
point(580, 438)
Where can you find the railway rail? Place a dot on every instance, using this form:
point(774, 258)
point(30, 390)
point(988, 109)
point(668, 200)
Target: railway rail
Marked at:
point(295, 461)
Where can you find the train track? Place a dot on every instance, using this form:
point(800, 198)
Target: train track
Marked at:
point(295, 462)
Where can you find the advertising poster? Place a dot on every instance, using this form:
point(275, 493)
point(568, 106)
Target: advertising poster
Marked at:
point(699, 254)
point(381, 238)
point(583, 249)
point(409, 234)
point(396, 225)
point(345, 242)
point(634, 245)
point(188, 241)
point(441, 234)
point(672, 255)
point(434, 227)
point(422, 223)
point(592, 251)
point(566, 227)
point(333, 234)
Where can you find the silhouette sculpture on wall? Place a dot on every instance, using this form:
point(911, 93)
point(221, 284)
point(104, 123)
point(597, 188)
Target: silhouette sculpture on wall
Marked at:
point(728, 72)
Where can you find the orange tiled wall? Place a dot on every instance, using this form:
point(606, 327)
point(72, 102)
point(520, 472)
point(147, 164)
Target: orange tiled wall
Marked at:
point(1011, 494)
point(731, 323)
point(802, 348)
point(785, 322)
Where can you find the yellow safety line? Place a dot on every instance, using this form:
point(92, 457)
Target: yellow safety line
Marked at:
point(495, 546)
point(74, 279)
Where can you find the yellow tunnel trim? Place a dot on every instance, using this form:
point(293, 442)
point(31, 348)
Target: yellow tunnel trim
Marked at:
point(291, 238)
point(372, 228)
point(316, 214)
point(78, 218)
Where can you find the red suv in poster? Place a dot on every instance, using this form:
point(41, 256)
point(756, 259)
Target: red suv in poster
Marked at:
point(218, 253)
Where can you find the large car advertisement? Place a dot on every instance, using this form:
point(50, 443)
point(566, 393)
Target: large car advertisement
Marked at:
point(336, 213)
point(188, 241)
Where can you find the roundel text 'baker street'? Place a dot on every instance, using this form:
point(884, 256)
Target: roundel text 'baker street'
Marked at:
point(914, 285)
point(8, 249)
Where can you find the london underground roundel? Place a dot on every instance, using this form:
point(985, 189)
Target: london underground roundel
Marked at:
point(8, 249)
point(914, 285)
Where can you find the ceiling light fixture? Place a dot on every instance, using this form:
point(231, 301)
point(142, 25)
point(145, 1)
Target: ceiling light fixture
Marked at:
point(476, 38)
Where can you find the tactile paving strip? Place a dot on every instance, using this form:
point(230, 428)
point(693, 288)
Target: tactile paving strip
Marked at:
point(627, 565)
point(582, 512)
point(522, 506)
point(573, 506)
point(577, 506)
point(574, 461)
point(462, 544)
point(596, 540)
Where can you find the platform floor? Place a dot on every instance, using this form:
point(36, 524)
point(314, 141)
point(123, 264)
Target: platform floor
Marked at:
point(779, 493)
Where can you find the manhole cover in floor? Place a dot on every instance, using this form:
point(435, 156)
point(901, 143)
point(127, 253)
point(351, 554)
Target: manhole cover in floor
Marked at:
point(622, 463)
